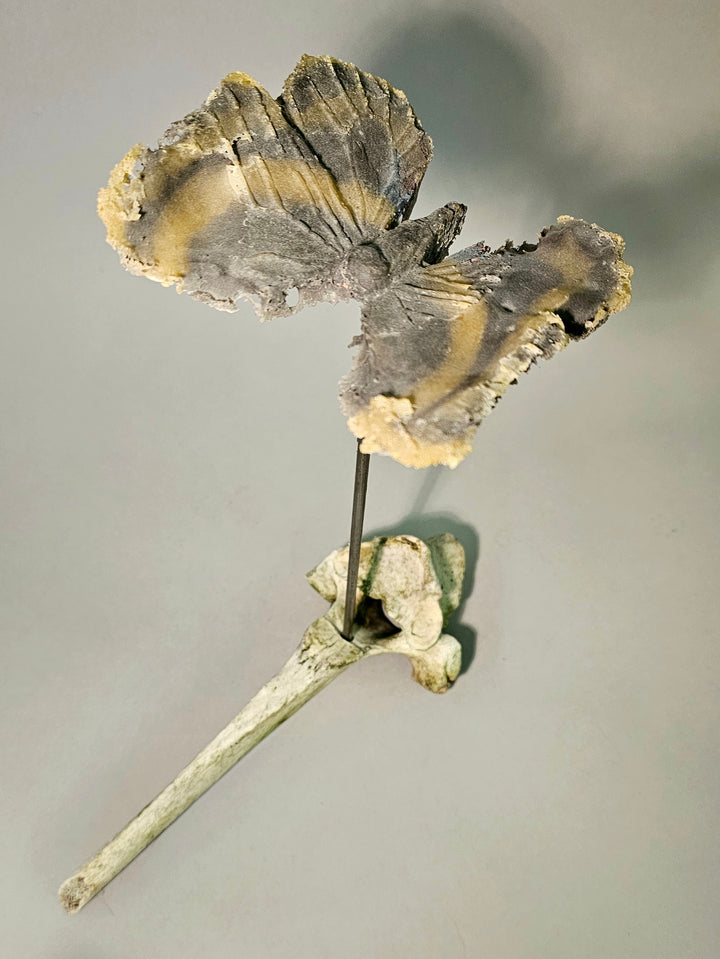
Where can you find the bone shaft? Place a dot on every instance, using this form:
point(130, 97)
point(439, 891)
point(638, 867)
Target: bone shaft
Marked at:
point(297, 682)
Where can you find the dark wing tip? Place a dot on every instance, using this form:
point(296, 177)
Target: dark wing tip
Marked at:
point(606, 287)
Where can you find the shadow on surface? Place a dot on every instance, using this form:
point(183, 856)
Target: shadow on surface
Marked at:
point(486, 92)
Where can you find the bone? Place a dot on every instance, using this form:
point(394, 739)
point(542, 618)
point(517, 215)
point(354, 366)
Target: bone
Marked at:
point(408, 589)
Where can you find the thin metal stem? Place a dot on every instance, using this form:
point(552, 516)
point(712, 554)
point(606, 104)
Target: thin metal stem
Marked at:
point(362, 465)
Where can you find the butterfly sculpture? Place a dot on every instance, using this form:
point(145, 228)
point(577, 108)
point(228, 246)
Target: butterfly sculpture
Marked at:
point(304, 198)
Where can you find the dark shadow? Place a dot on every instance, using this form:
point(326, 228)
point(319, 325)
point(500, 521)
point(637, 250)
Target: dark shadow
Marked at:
point(425, 525)
point(669, 224)
point(478, 93)
point(485, 91)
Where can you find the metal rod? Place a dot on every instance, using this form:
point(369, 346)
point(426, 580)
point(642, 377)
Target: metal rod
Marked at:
point(362, 465)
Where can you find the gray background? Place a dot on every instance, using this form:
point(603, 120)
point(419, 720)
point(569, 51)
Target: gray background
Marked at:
point(169, 473)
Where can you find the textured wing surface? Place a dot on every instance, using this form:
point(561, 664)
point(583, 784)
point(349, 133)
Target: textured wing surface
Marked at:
point(365, 133)
point(440, 347)
point(234, 201)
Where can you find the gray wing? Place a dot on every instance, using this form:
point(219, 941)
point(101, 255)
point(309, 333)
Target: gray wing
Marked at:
point(443, 344)
point(364, 131)
point(236, 202)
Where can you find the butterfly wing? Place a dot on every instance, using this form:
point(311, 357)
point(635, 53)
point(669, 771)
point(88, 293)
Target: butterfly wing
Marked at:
point(236, 202)
point(364, 132)
point(441, 346)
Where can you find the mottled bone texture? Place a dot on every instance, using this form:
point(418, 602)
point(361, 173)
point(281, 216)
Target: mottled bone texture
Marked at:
point(305, 197)
point(407, 591)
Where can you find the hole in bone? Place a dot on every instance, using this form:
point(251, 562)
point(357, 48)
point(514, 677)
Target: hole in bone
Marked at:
point(371, 616)
point(292, 297)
